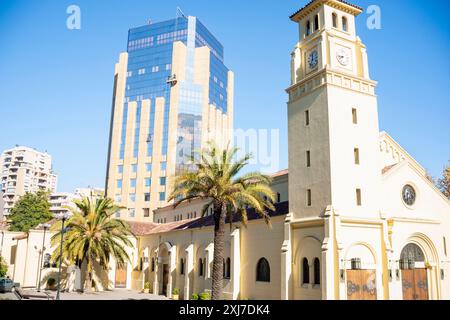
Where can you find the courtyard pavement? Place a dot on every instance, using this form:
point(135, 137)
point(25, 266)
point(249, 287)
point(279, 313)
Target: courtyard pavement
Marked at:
point(117, 294)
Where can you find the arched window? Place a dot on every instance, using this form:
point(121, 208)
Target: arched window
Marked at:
point(305, 271)
point(411, 254)
point(316, 22)
point(335, 20)
point(228, 269)
point(181, 266)
point(316, 271)
point(344, 24)
point(263, 270)
point(308, 28)
point(200, 268)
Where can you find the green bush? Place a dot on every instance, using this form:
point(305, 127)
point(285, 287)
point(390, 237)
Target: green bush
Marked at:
point(204, 296)
point(176, 291)
point(3, 267)
point(195, 296)
point(147, 285)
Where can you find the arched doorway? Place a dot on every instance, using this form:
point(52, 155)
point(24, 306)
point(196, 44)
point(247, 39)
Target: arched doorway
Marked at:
point(414, 273)
point(163, 260)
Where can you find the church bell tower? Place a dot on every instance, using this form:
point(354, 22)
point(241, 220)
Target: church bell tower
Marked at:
point(332, 116)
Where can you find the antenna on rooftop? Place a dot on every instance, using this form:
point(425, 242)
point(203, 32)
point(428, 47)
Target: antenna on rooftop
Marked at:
point(180, 13)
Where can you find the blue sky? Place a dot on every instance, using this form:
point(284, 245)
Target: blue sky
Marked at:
point(56, 84)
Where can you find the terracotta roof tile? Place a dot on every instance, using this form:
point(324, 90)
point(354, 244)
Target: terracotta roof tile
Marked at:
point(148, 228)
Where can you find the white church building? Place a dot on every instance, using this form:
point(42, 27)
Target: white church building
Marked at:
point(356, 217)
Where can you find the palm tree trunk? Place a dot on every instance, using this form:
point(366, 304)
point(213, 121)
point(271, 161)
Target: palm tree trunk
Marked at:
point(89, 277)
point(219, 237)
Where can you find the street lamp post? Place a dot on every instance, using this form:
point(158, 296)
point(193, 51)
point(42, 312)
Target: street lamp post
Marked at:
point(63, 217)
point(46, 226)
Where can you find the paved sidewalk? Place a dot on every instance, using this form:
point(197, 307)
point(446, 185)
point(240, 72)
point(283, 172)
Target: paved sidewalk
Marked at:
point(117, 294)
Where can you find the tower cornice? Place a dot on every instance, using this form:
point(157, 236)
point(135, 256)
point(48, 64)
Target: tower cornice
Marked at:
point(313, 5)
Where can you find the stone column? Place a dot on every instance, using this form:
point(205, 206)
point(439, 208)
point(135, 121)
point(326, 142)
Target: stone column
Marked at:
point(286, 260)
point(209, 258)
point(156, 280)
point(328, 274)
point(145, 266)
point(172, 269)
point(236, 263)
point(189, 266)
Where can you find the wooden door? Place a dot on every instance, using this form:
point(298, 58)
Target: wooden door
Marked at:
point(121, 277)
point(165, 278)
point(361, 285)
point(415, 284)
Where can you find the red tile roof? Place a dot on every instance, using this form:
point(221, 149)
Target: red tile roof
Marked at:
point(149, 228)
point(280, 173)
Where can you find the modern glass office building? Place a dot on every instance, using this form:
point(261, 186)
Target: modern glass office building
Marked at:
point(172, 93)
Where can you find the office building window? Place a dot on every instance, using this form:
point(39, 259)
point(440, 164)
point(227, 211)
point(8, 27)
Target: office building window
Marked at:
point(119, 184)
point(133, 183)
point(133, 197)
point(134, 168)
point(308, 198)
point(148, 182)
point(120, 169)
point(131, 213)
point(118, 198)
point(163, 166)
point(162, 196)
point(148, 167)
point(146, 197)
point(162, 181)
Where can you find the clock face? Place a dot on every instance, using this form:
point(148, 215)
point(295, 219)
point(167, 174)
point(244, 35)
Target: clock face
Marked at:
point(409, 195)
point(343, 57)
point(313, 59)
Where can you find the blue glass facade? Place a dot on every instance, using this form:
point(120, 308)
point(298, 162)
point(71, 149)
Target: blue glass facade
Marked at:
point(150, 50)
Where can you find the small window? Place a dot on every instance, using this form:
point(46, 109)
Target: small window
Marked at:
point(119, 184)
point(118, 198)
point(358, 197)
point(316, 271)
point(148, 167)
point(278, 197)
point(308, 198)
point(445, 246)
point(132, 197)
point(200, 268)
point(181, 266)
point(148, 182)
point(308, 158)
point(344, 24)
point(308, 28)
point(355, 116)
point(118, 214)
point(335, 19)
point(134, 168)
point(228, 269)
point(133, 183)
point(307, 117)
point(146, 212)
point(305, 271)
point(162, 181)
point(131, 213)
point(162, 196)
point(153, 264)
point(146, 197)
point(119, 169)
point(263, 270)
point(316, 22)
point(356, 154)
point(163, 166)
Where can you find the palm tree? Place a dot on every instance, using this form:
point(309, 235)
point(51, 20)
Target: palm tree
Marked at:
point(213, 178)
point(93, 236)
